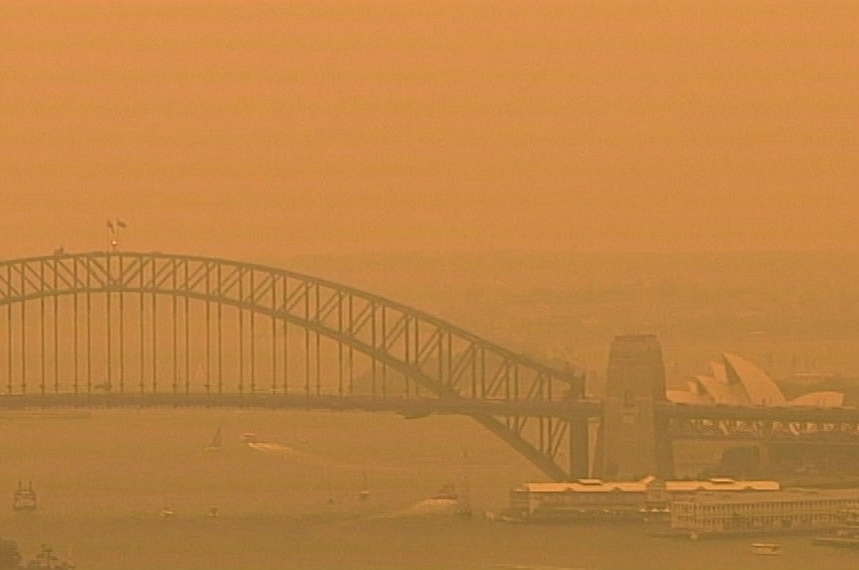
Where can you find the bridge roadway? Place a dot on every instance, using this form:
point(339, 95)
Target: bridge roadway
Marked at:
point(414, 407)
point(417, 407)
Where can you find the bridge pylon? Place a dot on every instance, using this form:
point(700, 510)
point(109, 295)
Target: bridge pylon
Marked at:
point(631, 442)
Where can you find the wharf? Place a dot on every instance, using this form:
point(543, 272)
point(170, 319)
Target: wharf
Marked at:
point(841, 541)
point(735, 533)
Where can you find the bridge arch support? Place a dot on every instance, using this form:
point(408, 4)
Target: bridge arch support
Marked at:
point(153, 323)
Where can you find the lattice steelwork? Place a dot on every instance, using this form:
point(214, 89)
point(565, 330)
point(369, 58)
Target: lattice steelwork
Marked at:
point(769, 430)
point(109, 326)
point(807, 425)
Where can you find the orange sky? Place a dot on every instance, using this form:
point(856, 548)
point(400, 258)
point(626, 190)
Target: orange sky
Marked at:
point(250, 129)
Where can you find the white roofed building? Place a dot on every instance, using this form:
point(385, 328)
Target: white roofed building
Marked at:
point(585, 497)
point(736, 381)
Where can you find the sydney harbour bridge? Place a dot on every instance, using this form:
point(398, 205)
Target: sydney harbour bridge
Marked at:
point(124, 329)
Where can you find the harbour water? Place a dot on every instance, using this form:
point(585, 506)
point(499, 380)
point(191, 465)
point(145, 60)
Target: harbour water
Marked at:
point(103, 481)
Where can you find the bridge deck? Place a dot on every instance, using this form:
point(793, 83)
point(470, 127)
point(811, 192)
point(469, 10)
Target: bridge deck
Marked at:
point(410, 407)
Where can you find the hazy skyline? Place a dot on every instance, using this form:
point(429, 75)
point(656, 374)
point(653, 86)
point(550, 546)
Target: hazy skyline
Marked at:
point(248, 129)
point(497, 140)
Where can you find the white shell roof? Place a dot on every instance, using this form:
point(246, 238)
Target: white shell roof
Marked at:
point(820, 399)
point(719, 372)
point(722, 393)
point(759, 386)
point(737, 381)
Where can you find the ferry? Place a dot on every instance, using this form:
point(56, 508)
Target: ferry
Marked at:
point(449, 493)
point(250, 437)
point(447, 501)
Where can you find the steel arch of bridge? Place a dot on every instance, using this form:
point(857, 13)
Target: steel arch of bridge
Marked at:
point(57, 308)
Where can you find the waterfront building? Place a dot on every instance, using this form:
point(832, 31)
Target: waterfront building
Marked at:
point(792, 510)
point(586, 498)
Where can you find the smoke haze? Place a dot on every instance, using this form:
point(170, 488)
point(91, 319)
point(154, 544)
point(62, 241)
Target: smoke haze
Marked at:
point(252, 129)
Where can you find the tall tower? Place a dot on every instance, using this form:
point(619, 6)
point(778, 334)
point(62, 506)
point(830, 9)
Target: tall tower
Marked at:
point(631, 442)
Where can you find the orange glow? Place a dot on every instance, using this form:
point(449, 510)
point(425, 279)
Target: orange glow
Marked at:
point(249, 128)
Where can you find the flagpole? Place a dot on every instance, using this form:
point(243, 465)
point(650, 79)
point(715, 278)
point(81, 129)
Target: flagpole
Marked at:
point(111, 233)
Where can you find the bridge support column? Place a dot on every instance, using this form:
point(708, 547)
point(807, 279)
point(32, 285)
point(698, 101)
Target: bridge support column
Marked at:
point(632, 444)
point(764, 462)
point(579, 449)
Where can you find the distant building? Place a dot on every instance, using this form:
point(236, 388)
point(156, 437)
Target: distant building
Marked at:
point(793, 510)
point(736, 381)
point(590, 497)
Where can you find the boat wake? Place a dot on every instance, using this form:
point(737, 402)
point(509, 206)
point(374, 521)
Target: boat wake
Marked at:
point(427, 508)
point(274, 449)
point(538, 567)
point(298, 455)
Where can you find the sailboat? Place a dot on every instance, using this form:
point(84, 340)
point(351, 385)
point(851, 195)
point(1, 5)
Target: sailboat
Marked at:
point(364, 495)
point(215, 444)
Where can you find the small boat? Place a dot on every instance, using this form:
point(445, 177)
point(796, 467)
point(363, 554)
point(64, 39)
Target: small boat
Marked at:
point(250, 437)
point(766, 549)
point(449, 494)
point(24, 498)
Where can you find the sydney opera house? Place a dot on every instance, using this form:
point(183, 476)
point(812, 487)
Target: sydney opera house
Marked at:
point(737, 381)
